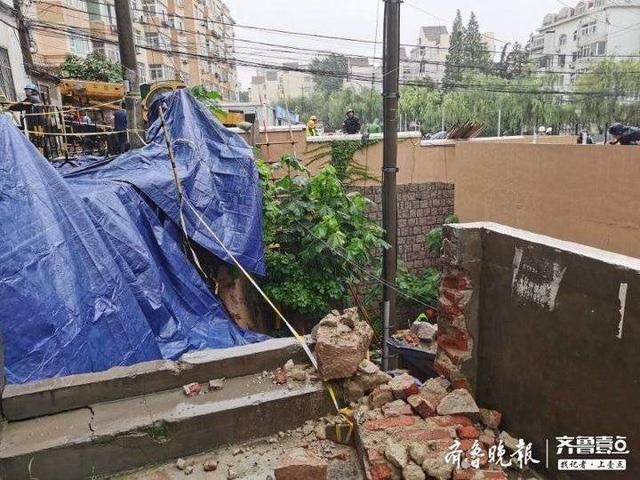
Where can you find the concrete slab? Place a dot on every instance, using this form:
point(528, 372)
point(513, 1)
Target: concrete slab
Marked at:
point(56, 395)
point(116, 436)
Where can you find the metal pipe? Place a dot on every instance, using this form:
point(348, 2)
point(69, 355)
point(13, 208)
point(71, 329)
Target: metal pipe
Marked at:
point(390, 93)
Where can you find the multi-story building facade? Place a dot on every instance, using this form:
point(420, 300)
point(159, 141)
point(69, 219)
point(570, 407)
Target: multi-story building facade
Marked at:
point(270, 86)
point(12, 73)
point(189, 40)
point(570, 40)
point(427, 60)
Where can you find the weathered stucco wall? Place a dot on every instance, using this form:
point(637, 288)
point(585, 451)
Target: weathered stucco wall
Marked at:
point(553, 330)
point(585, 194)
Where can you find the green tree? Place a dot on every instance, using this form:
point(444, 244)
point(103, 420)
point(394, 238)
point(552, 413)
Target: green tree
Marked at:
point(609, 92)
point(306, 221)
point(453, 70)
point(476, 56)
point(330, 72)
point(95, 67)
point(514, 62)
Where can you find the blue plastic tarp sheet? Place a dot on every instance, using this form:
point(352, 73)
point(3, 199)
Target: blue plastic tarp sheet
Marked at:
point(93, 275)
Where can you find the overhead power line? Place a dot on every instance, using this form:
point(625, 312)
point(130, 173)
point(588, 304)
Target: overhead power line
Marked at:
point(60, 30)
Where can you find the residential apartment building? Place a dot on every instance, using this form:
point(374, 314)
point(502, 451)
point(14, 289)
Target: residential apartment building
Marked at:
point(190, 40)
point(12, 73)
point(270, 86)
point(570, 40)
point(427, 60)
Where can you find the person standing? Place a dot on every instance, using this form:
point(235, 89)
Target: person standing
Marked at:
point(312, 126)
point(120, 127)
point(351, 124)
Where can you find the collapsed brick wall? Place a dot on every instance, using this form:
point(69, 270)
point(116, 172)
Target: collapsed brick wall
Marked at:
point(421, 207)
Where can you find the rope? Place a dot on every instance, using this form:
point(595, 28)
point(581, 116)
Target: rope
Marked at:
point(88, 134)
point(62, 109)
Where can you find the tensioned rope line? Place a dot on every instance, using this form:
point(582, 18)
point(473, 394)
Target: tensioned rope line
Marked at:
point(373, 276)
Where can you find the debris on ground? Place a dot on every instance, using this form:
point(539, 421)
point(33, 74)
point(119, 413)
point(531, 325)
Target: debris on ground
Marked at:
point(216, 384)
point(181, 464)
point(210, 465)
point(342, 342)
point(299, 464)
point(192, 389)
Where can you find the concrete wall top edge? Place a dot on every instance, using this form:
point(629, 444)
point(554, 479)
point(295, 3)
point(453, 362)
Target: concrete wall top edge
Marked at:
point(605, 256)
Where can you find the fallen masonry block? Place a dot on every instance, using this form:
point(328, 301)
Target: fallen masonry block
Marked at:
point(342, 343)
point(490, 418)
point(413, 472)
point(380, 396)
point(467, 433)
point(192, 389)
point(403, 386)
point(437, 468)
point(425, 331)
point(396, 453)
point(301, 464)
point(397, 408)
point(459, 402)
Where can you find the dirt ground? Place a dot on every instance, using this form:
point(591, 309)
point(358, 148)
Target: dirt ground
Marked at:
point(256, 460)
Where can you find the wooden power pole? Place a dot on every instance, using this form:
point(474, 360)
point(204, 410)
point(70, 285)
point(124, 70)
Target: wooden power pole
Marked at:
point(129, 71)
point(390, 93)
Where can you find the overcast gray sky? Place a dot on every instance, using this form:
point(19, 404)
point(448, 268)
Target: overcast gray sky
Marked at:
point(509, 20)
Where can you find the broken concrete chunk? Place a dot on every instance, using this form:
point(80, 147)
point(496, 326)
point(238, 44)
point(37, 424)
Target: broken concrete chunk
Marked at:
point(289, 365)
point(279, 377)
point(232, 474)
point(396, 453)
point(192, 389)
point(435, 385)
point(188, 470)
point(491, 418)
point(422, 406)
point(403, 386)
point(368, 367)
point(380, 396)
point(301, 463)
point(210, 465)
point(413, 472)
point(181, 464)
point(425, 331)
point(437, 468)
point(298, 375)
point(458, 402)
point(418, 452)
point(352, 391)
point(340, 349)
point(216, 384)
point(396, 408)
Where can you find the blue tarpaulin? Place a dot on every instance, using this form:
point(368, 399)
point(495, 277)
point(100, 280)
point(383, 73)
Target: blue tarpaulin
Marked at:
point(92, 273)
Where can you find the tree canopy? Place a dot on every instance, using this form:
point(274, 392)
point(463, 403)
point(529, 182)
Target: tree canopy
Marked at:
point(335, 65)
point(94, 66)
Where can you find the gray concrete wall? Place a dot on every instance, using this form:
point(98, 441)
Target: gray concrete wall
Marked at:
point(557, 343)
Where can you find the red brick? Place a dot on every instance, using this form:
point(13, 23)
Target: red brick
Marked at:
point(461, 383)
point(425, 434)
point(467, 432)
point(384, 423)
point(423, 406)
point(451, 421)
point(459, 474)
point(458, 282)
point(374, 455)
point(447, 308)
point(381, 471)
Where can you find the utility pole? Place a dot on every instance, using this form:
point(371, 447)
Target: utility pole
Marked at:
point(129, 70)
point(390, 93)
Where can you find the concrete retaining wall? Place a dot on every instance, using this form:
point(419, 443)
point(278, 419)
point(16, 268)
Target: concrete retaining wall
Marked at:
point(547, 332)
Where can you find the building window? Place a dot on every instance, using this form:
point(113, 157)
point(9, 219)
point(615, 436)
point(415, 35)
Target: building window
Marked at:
point(152, 39)
point(574, 57)
point(563, 40)
point(156, 72)
point(600, 48)
point(77, 4)
point(79, 46)
point(7, 87)
point(562, 61)
point(142, 72)
point(575, 35)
